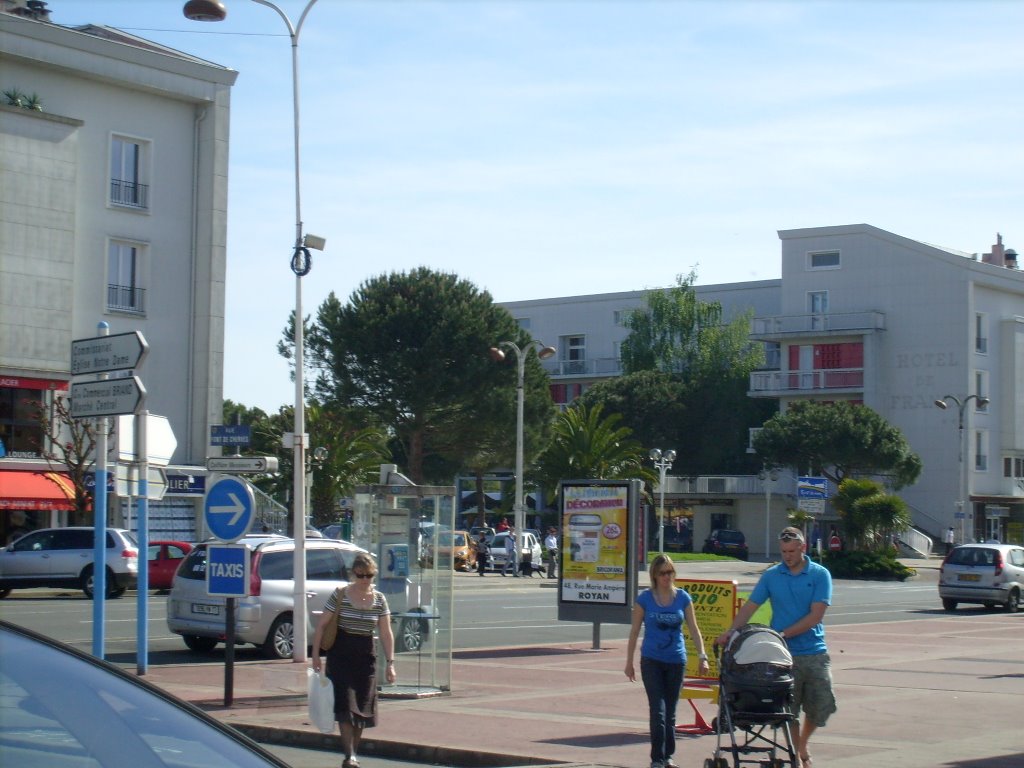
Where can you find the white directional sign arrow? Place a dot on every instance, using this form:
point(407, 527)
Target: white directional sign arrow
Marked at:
point(229, 508)
point(99, 354)
point(236, 508)
point(112, 397)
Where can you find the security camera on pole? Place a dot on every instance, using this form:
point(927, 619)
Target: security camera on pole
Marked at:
point(301, 263)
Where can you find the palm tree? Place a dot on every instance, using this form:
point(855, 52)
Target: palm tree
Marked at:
point(587, 445)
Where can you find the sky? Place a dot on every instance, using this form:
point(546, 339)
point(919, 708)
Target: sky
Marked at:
point(539, 148)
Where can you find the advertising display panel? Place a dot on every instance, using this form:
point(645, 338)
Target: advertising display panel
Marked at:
point(594, 552)
point(597, 581)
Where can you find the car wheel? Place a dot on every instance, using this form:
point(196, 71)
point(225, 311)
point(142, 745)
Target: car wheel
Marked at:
point(411, 634)
point(1013, 601)
point(279, 642)
point(4, 593)
point(199, 644)
point(87, 580)
point(949, 605)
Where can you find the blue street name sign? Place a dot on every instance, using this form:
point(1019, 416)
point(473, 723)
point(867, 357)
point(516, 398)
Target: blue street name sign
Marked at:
point(230, 434)
point(228, 508)
point(812, 488)
point(227, 570)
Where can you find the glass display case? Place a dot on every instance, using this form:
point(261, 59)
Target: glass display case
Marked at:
point(406, 527)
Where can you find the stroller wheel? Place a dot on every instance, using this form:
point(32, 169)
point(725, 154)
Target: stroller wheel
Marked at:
point(714, 727)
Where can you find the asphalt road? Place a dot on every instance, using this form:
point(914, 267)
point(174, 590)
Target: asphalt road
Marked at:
point(507, 611)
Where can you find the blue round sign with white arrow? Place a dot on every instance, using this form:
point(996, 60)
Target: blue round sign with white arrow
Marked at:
point(228, 508)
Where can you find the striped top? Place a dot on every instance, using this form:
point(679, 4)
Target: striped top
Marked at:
point(358, 621)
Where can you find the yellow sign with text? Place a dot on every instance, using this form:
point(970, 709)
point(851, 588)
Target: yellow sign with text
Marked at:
point(594, 547)
point(714, 606)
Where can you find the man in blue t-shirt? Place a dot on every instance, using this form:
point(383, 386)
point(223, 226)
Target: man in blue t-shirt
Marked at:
point(800, 592)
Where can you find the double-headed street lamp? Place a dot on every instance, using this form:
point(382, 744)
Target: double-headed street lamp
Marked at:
point(498, 355)
point(663, 463)
point(964, 489)
point(301, 263)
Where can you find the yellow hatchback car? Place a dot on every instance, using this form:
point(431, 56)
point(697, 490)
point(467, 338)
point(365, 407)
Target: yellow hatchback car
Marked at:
point(458, 546)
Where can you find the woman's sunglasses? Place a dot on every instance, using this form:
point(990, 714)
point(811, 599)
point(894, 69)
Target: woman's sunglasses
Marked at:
point(364, 575)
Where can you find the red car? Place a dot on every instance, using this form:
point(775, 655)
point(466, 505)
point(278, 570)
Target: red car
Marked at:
point(164, 557)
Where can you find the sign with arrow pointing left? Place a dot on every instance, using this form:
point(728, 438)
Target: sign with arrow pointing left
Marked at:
point(228, 508)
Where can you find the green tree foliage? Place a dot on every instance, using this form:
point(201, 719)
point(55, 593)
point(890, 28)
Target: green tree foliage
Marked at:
point(355, 452)
point(870, 515)
point(412, 350)
point(686, 380)
point(679, 333)
point(587, 444)
point(837, 441)
point(706, 419)
point(354, 456)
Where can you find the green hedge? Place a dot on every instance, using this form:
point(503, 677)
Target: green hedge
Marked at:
point(882, 566)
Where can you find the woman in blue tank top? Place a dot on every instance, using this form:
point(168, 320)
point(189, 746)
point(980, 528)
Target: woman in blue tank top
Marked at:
point(661, 611)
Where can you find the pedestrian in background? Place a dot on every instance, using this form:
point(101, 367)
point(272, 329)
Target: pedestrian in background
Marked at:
point(510, 553)
point(800, 591)
point(950, 540)
point(551, 545)
point(482, 553)
point(661, 611)
point(352, 659)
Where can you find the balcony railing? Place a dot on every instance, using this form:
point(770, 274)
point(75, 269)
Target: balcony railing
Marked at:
point(859, 322)
point(126, 298)
point(807, 381)
point(601, 366)
point(726, 484)
point(129, 193)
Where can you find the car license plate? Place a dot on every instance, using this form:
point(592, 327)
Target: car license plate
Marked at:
point(969, 577)
point(210, 610)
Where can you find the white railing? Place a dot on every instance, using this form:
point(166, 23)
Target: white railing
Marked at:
point(817, 379)
point(600, 366)
point(815, 323)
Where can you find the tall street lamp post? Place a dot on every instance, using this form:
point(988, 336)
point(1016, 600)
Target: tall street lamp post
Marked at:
point(961, 405)
point(498, 355)
point(663, 463)
point(301, 263)
point(768, 478)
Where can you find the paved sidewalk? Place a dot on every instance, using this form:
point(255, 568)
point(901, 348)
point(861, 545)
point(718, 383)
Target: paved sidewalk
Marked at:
point(930, 693)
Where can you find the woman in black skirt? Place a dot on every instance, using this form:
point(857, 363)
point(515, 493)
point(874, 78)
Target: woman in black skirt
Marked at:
point(352, 660)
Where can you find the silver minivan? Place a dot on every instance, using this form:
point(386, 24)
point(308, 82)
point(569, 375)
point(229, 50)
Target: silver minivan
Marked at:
point(264, 617)
point(63, 558)
point(990, 574)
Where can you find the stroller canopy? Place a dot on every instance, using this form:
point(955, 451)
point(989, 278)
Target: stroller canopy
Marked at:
point(758, 644)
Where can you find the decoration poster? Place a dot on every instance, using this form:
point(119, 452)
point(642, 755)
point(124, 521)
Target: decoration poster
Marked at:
point(595, 543)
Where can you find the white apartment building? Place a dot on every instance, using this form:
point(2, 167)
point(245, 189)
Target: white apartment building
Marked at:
point(864, 315)
point(113, 200)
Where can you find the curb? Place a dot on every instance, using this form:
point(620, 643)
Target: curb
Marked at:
point(396, 750)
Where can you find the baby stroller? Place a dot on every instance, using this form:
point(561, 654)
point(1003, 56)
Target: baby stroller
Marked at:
point(755, 699)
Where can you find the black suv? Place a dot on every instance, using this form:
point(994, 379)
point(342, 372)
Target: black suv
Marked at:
point(726, 542)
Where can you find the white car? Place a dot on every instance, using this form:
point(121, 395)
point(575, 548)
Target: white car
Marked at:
point(531, 549)
point(990, 574)
point(63, 558)
point(264, 617)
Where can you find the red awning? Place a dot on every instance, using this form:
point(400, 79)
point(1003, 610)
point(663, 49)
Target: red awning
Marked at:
point(25, 489)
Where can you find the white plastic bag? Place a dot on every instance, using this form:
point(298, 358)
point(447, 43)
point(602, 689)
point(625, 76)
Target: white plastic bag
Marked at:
point(321, 700)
